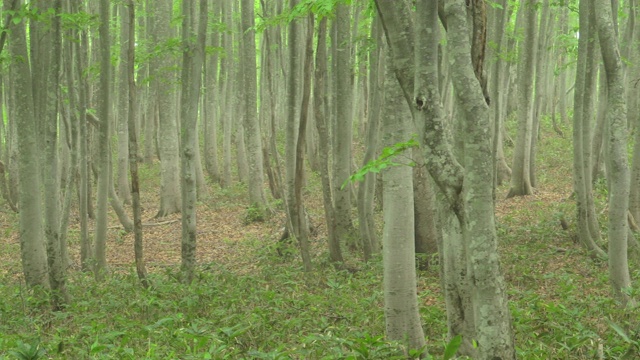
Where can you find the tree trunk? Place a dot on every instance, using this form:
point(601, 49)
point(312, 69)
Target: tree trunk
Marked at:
point(521, 175)
point(343, 127)
point(192, 60)
point(124, 192)
point(320, 99)
point(32, 245)
point(251, 125)
point(581, 137)
point(400, 301)
point(165, 84)
point(366, 190)
point(617, 162)
point(133, 151)
point(104, 116)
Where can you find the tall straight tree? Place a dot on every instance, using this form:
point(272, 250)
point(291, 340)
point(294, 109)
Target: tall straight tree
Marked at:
point(320, 100)
point(251, 125)
point(521, 175)
point(51, 50)
point(122, 107)
point(165, 84)
point(104, 115)
point(588, 231)
point(192, 61)
point(343, 124)
point(133, 147)
point(617, 162)
point(402, 317)
point(466, 185)
point(32, 246)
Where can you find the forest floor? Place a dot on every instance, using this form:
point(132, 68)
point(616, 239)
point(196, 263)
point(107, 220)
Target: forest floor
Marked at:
point(250, 303)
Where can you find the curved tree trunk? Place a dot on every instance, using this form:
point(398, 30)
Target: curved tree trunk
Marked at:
point(617, 162)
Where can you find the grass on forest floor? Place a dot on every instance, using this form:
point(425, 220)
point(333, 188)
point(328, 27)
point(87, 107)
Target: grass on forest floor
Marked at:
point(250, 303)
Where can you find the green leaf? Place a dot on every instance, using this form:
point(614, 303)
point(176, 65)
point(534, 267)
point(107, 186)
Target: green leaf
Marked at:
point(452, 347)
point(621, 332)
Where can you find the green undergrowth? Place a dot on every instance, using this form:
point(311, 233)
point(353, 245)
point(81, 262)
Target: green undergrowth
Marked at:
point(276, 312)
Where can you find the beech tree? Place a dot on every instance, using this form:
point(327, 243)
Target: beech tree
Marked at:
point(474, 288)
point(194, 39)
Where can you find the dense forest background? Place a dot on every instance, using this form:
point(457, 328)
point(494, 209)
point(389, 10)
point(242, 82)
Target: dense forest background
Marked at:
point(319, 179)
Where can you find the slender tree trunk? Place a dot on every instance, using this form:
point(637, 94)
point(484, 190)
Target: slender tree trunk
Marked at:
point(581, 131)
point(320, 100)
point(521, 175)
point(343, 128)
point(192, 60)
point(251, 124)
point(32, 245)
point(617, 162)
point(104, 115)
point(133, 151)
point(52, 58)
point(165, 84)
point(366, 190)
point(122, 89)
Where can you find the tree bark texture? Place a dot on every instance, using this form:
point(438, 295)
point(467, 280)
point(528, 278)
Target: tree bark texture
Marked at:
point(194, 38)
point(617, 162)
point(32, 245)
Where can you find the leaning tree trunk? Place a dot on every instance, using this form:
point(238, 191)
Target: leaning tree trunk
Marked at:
point(617, 162)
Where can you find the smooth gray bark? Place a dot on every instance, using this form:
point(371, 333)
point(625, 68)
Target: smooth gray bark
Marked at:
point(402, 318)
point(581, 137)
point(320, 100)
point(122, 89)
point(251, 125)
point(343, 126)
point(192, 60)
point(617, 162)
point(521, 169)
point(32, 244)
point(104, 116)
point(165, 84)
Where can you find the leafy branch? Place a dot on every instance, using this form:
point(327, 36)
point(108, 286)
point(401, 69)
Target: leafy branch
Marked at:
point(385, 160)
